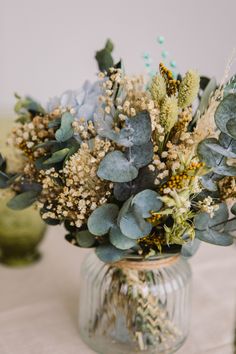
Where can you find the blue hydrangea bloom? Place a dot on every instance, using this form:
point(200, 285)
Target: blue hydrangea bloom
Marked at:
point(83, 102)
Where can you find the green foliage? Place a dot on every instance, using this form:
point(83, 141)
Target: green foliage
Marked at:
point(140, 155)
point(65, 132)
point(215, 156)
point(102, 219)
point(225, 112)
point(135, 210)
point(145, 180)
point(27, 108)
point(190, 248)
point(23, 200)
point(85, 238)
point(57, 156)
point(230, 87)
point(107, 253)
point(213, 230)
point(6, 179)
point(134, 226)
point(146, 201)
point(119, 240)
point(137, 130)
point(116, 168)
point(104, 58)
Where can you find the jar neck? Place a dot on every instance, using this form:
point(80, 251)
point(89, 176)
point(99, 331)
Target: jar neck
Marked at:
point(154, 263)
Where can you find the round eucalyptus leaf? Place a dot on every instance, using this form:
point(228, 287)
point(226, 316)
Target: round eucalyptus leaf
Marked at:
point(119, 240)
point(190, 248)
point(215, 237)
point(124, 209)
point(147, 201)
point(108, 253)
point(225, 111)
point(230, 87)
point(206, 154)
point(221, 150)
point(102, 219)
point(139, 128)
point(145, 180)
point(225, 170)
point(140, 155)
point(230, 225)
point(203, 221)
point(116, 168)
point(57, 156)
point(23, 200)
point(233, 209)
point(132, 227)
point(85, 238)
point(65, 132)
point(231, 126)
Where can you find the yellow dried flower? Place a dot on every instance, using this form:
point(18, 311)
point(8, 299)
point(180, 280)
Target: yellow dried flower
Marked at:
point(158, 89)
point(188, 89)
point(169, 112)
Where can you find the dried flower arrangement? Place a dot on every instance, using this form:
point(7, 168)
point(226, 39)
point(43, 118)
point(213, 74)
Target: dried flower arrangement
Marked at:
point(127, 165)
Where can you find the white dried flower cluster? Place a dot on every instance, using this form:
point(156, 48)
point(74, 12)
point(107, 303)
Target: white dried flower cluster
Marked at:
point(83, 191)
point(85, 130)
point(26, 136)
point(208, 206)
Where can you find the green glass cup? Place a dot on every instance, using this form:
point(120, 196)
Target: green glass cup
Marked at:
point(20, 234)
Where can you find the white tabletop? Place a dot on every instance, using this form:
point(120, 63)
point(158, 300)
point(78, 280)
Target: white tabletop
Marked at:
point(38, 304)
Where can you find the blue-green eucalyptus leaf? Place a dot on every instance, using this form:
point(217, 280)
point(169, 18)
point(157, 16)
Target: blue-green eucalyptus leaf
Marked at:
point(208, 181)
point(219, 149)
point(190, 248)
point(23, 200)
point(233, 209)
point(225, 111)
point(85, 239)
point(206, 154)
point(107, 253)
point(147, 201)
point(65, 132)
point(215, 237)
point(102, 219)
point(126, 207)
point(119, 240)
point(57, 156)
point(132, 227)
point(140, 155)
point(144, 180)
point(225, 170)
point(116, 168)
point(139, 128)
point(230, 87)
point(203, 220)
point(230, 225)
point(209, 90)
point(4, 179)
point(231, 127)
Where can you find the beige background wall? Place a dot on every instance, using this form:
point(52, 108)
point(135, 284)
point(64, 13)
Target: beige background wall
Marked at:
point(47, 46)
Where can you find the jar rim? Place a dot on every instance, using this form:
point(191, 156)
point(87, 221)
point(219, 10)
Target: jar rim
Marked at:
point(147, 264)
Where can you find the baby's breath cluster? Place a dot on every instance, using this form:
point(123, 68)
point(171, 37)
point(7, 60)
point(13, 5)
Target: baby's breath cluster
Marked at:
point(83, 191)
point(28, 135)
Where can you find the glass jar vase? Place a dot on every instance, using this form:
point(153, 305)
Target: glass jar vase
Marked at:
point(135, 306)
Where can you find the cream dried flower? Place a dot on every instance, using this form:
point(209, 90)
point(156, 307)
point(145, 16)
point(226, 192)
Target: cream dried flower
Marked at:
point(188, 89)
point(169, 112)
point(158, 89)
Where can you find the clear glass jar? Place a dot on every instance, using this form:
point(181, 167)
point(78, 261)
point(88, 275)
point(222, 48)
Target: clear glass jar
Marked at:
point(135, 306)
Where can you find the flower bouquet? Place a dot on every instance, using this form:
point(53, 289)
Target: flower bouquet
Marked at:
point(142, 170)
